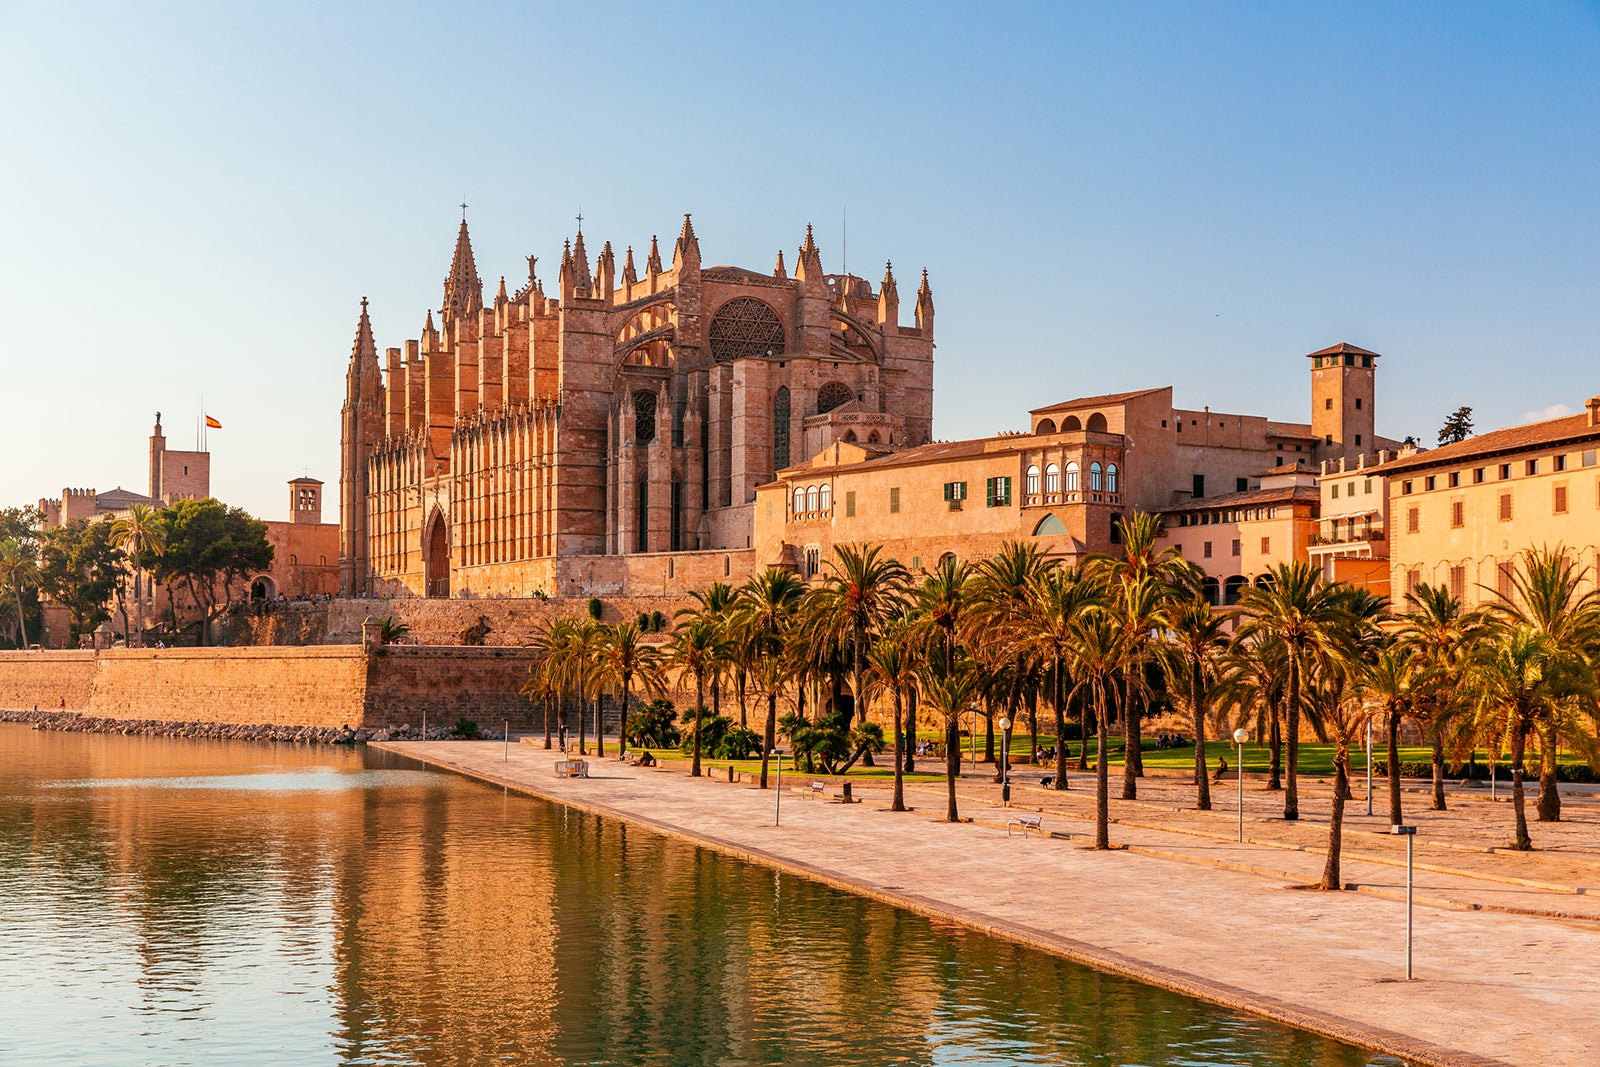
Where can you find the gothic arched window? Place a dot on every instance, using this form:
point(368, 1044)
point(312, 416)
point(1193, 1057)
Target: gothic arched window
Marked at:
point(745, 328)
point(1111, 478)
point(644, 417)
point(811, 498)
point(1052, 478)
point(1072, 476)
point(1094, 477)
point(833, 395)
point(780, 428)
point(799, 500)
point(1033, 480)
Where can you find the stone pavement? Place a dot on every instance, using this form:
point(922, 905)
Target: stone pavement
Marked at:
point(1183, 905)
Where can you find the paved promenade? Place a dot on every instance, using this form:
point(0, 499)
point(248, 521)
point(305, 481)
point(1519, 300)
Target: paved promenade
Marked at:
point(1506, 944)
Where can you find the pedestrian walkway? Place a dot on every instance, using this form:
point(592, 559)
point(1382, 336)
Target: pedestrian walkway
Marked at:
point(1182, 906)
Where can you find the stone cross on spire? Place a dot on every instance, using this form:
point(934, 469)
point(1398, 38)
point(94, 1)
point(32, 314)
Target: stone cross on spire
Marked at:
point(463, 292)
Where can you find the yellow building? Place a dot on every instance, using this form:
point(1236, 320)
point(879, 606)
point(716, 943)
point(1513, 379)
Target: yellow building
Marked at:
point(1351, 543)
point(1460, 514)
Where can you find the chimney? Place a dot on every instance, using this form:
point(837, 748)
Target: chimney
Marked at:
point(1594, 411)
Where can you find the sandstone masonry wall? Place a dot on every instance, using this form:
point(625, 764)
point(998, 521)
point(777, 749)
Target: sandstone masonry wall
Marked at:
point(46, 679)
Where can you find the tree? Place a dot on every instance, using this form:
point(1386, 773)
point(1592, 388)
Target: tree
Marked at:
point(78, 568)
point(1341, 719)
point(621, 658)
point(1194, 640)
point(1443, 633)
point(391, 629)
point(1307, 614)
point(1098, 653)
point(697, 647)
point(763, 614)
point(18, 572)
point(1000, 592)
point(544, 674)
point(950, 689)
point(139, 533)
point(893, 661)
point(1043, 631)
point(863, 590)
point(1457, 426)
point(209, 547)
point(1391, 682)
point(715, 606)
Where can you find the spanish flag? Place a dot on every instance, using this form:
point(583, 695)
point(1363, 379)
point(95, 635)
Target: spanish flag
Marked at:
point(212, 424)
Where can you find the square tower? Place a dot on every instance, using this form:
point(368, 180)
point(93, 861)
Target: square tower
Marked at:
point(305, 500)
point(1342, 396)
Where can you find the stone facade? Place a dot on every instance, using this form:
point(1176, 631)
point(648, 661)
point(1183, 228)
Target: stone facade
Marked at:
point(535, 443)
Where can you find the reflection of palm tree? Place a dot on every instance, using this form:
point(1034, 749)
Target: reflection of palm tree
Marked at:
point(17, 569)
point(140, 532)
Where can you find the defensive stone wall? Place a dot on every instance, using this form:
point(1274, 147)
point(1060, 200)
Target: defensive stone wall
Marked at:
point(512, 621)
point(321, 686)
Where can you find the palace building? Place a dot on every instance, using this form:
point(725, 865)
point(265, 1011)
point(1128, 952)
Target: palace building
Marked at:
point(610, 438)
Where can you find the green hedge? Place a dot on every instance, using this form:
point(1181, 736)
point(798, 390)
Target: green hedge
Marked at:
point(1565, 772)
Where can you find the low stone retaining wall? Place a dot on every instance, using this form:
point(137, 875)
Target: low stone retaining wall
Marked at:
point(71, 722)
point(324, 687)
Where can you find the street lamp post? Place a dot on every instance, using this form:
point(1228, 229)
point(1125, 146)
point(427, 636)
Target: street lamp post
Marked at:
point(1240, 736)
point(1369, 766)
point(1005, 761)
point(1410, 834)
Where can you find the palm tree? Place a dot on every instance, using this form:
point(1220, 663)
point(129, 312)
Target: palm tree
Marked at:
point(1098, 650)
point(544, 675)
point(1043, 631)
point(1443, 633)
point(863, 590)
point(1194, 640)
point(894, 666)
point(999, 597)
point(942, 602)
point(1307, 614)
point(950, 689)
point(1518, 676)
point(18, 569)
point(697, 648)
point(1391, 682)
point(140, 531)
point(715, 605)
point(574, 655)
point(1341, 719)
point(764, 612)
point(621, 658)
point(1546, 599)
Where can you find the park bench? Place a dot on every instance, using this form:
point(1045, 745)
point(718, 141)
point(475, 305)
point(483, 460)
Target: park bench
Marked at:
point(817, 789)
point(572, 768)
point(1023, 823)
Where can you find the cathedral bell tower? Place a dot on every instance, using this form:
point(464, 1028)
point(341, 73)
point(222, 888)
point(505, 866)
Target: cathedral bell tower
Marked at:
point(361, 425)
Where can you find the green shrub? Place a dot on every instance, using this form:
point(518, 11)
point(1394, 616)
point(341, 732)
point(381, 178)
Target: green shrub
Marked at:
point(712, 730)
point(466, 729)
point(643, 623)
point(737, 742)
point(594, 608)
point(1565, 772)
point(657, 621)
point(653, 725)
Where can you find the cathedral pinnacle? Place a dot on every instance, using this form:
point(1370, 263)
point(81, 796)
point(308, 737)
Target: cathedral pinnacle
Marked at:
point(688, 246)
point(463, 292)
point(629, 274)
point(889, 287)
point(780, 271)
point(652, 262)
point(809, 264)
point(364, 345)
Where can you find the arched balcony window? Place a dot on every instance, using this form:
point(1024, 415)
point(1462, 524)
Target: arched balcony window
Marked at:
point(1094, 477)
point(799, 499)
point(1052, 478)
point(1033, 480)
point(1111, 477)
point(825, 497)
point(1072, 477)
point(811, 498)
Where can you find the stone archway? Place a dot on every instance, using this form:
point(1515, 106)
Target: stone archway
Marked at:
point(436, 557)
point(263, 588)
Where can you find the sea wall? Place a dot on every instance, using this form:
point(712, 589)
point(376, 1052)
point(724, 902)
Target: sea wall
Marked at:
point(317, 686)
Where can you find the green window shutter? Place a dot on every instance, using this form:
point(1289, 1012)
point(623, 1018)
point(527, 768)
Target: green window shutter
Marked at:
point(988, 493)
point(850, 504)
point(949, 487)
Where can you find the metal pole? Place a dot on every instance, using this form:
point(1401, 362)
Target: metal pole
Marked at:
point(1368, 767)
point(506, 758)
point(1005, 766)
point(777, 801)
point(1409, 839)
point(1241, 792)
point(424, 724)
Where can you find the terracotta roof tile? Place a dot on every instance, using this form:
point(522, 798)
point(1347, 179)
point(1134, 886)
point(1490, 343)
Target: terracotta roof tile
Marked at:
point(1094, 401)
point(1299, 494)
point(1343, 348)
point(1512, 439)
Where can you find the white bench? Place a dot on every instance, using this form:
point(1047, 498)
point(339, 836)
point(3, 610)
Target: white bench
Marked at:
point(572, 768)
point(1023, 823)
point(819, 789)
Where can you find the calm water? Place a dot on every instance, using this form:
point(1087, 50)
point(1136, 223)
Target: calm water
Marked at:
point(171, 902)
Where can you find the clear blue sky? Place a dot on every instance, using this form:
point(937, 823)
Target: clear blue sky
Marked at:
point(1106, 196)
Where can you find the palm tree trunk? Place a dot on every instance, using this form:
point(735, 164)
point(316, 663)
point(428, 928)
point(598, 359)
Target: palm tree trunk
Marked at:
point(1549, 806)
point(1058, 702)
point(1291, 794)
point(1102, 781)
point(1519, 743)
point(622, 718)
point(1438, 770)
point(582, 724)
point(599, 725)
point(1083, 735)
point(899, 801)
point(1130, 742)
point(1275, 748)
point(988, 731)
point(1341, 789)
point(744, 718)
point(1393, 755)
point(911, 731)
point(546, 703)
point(699, 711)
point(22, 620)
point(769, 737)
point(1033, 726)
point(1202, 782)
point(138, 596)
point(1135, 726)
point(952, 767)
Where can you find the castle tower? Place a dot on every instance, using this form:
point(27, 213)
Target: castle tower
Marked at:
point(361, 430)
point(1342, 393)
point(305, 500)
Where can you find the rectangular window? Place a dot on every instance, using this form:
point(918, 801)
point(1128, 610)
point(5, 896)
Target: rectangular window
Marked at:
point(1266, 546)
point(916, 563)
point(1350, 490)
point(1205, 550)
point(1406, 487)
point(1366, 486)
point(1413, 520)
point(1503, 583)
point(1457, 514)
point(1458, 582)
point(1455, 479)
point(1561, 463)
point(1335, 490)
point(1236, 548)
point(1431, 483)
point(997, 492)
point(1561, 500)
point(1199, 482)
point(1413, 579)
point(1505, 507)
point(1531, 467)
point(1241, 485)
point(1358, 403)
point(850, 504)
point(954, 491)
point(894, 500)
point(1505, 471)
point(1590, 458)
point(1327, 403)
point(1477, 476)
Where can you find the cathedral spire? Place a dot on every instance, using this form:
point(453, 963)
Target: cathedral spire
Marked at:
point(780, 271)
point(629, 274)
point(463, 292)
point(889, 298)
point(652, 262)
point(582, 281)
point(500, 298)
point(688, 246)
point(364, 346)
point(809, 265)
point(925, 304)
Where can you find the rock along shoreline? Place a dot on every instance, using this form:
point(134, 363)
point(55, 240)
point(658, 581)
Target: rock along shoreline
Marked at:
point(75, 722)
